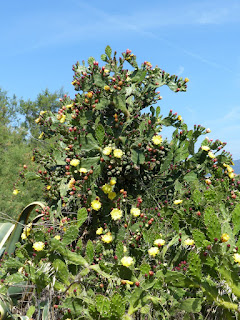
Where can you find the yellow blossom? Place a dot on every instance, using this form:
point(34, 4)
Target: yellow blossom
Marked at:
point(157, 140)
point(225, 237)
point(96, 205)
point(208, 181)
point(118, 153)
point(42, 112)
point(74, 82)
point(127, 282)
point(211, 155)
point(116, 214)
point(177, 201)
point(107, 151)
point(113, 181)
point(159, 242)
point(106, 71)
point(106, 188)
point(62, 119)
point(15, 191)
point(179, 118)
point(186, 79)
point(231, 175)
point(48, 187)
point(107, 238)
point(106, 88)
point(205, 148)
point(153, 251)
point(23, 236)
point(37, 120)
point(83, 170)
point(99, 231)
point(74, 162)
point(41, 135)
point(38, 246)
point(127, 261)
point(236, 257)
point(57, 237)
point(71, 183)
point(69, 106)
point(89, 95)
point(229, 169)
point(135, 212)
point(189, 242)
point(112, 195)
point(124, 249)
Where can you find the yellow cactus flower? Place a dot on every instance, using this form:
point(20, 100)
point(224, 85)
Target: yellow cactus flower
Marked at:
point(112, 195)
point(74, 162)
point(106, 188)
point(116, 214)
point(107, 151)
point(62, 119)
point(118, 153)
point(153, 251)
point(96, 205)
point(179, 118)
point(42, 112)
point(205, 148)
point(229, 169)
point(37, 120)
point(69, 106)
point(99, 231)
point(113, 181)
point(135, 212)
point(177, 201)
point(38, 246)
point(189, 242)
point(48, 187)
point(157, 140)
point(159, 242)
point(127, 282)
point(107, 238)
point(236, 257)
point(83, 170)
point(57, 237)
point(225, 237)
point(186, 79)
point(208, 181)
point(15, 191)
point(127, 261)
point(106, 88)
point(23, 236)
point(231, 175)
point(211, 155)
point(41, 135)
point(71, 183)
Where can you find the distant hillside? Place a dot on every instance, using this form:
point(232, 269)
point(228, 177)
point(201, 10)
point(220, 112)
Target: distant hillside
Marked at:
point(236, 166)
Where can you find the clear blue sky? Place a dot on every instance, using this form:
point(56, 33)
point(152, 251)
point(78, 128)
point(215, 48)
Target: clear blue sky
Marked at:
point(41, 40)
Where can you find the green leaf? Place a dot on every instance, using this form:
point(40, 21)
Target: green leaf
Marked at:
point(193, 305)
point(198, 237)
point(91, 60)
point(108, 51)
point(194, 268)
point(117, 305)
point(30, 311)
point(178, 279)
point(190, 177)
point(236, 219)
point(137, 156)
point(68, 255)
point(81, 216)
point(138, 75)
point(104, 57)
point(70, 235)
point(212, 223)
point(119, 250)
point(103, 305)
point(100, 134)
point(31, 176)
point(89, 251)
point(62, 273)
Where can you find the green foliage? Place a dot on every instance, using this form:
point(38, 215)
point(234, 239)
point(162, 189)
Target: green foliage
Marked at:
point(135, 226)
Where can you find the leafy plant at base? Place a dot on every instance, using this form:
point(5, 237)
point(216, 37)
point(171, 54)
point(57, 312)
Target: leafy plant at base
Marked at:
point(136, 226)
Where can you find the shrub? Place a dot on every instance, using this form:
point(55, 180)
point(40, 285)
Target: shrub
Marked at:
point(135, 226)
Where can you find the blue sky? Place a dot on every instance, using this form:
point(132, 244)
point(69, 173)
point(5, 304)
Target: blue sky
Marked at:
point(41, 40)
